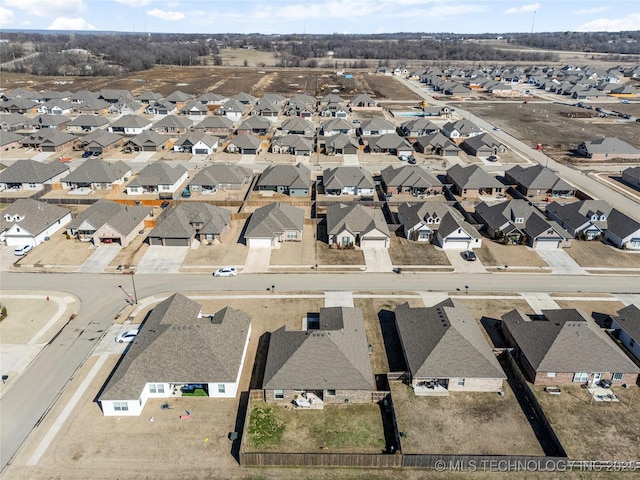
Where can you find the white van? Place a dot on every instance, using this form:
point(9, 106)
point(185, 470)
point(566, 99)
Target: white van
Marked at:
point(20, 251)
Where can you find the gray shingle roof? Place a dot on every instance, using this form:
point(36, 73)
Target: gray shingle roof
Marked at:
point(9, 137)
point(274, 219)
point(149, 138)
point(131, 121)
point(628, 319)
point(292, 176)
point(578, 213)
point(121, 218)
point(333, 357)
point(566, 341)
point(444, 341)
point(216, 121)
point(472, 177)
point(611, 146)
point(27, 171)
point(389, 141)
point(88, 121)
point(214, 175)
point(102, 138)
point(159, 173)
point(96, 170)
point(339, 177)
point(410, 176)
point(356, 219)
point(538, 177)
point(191, 138)
point(178, 223)
point(36, 216)
point(246, 141)
point(173, 121)
point(176, 346)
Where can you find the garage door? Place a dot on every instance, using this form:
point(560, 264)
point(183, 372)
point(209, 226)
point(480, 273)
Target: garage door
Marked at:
point(155, 241)
point(459, 243)
point(260, 242)
point(373, 242)
point(201, 151)
point(176, 242)
point(20, 241)
point(547, 244)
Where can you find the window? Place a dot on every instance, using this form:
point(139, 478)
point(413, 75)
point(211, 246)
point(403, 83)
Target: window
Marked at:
point(120, 406)
point(278, 394)
point(580, 377)
point(461, 382)
point(156, 388)
point(617, 377)
point(221, 388)
point(331, 393)
point(32, 185)
point(291, 234)
point(551, 374)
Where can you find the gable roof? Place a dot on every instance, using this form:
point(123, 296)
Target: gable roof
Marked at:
point(340, 177)
point(628, 319)
point(356, 219)
point(246, 141)
point(409, 175)
point(131, 121)
point(292, 176)
point(444, 341)
point(217, 174)
point(609, 145)
point(566, 341)
point(463, 126)
point(215, 121)
point(159, 173)
point(333, 357)
point(149, 138)
point(121, 218)
point(472, 177)
point(538, 177)
point(36, 216)
point(97, 170)
point(173, 121)
point(273, 220)
point(191, 138)
point(100, 137)
point(30, 171)
point(377, 124)
point(534, 223)
point(88, 121)
point(172, 344)
point(178, 223)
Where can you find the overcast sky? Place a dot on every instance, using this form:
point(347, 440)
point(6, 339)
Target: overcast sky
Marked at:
point(322, 16)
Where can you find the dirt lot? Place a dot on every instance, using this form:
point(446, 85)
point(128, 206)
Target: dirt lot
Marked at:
point(493, 254)
point(333, 256)
point(597, 254)
point(602, 430)
point(483, 423)
point(58, 251)
point(387, 87)
point(407, 252)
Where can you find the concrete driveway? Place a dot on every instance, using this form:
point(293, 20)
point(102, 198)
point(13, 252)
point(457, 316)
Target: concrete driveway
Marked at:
point(560, 262)
point(350, 160)
point(7, 258)
point(460, 265)
point(159, 259)
point(99, 259)
point(258, 260)
point(377, 259)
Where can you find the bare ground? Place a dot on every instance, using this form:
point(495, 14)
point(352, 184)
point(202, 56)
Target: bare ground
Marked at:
point(597, 254)
point(494, 254)
point(58, 251)
point(407, 252)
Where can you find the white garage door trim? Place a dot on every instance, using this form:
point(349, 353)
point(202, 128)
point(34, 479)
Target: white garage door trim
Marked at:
point(260, 242)
point(373, 242)
point(547, 244)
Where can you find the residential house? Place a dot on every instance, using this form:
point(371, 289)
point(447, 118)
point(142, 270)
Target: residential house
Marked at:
point(462, 128)
point(518, 222)
point(197, 143)
point(340, 144)
point(376, 126)
point(211, 98)
point(179, 98)
point(355, 225)
point(297, 126)
point(255, 125)
point(109, 222)
point(48, 140)
point(409, 179)
point(348, 181)
point(158, 178)
point(147, 97)
point(130, 125)
point(10, 122)
point(273, 224)
point(97, 174)
point(564, 347)
point(472, 181)
point(9, 140)
point(214, 178)
point(194, 108)
point(336, 126)
point(244, 144)
point(362, 100)
point(148, 141)
point(418, 127)
point(232, 109)
point(436, 144)
point(390, 143)
point(483, 145)
point(439, 224)
point(292, 144)
point(244, 98)
point(19, 105)
point(93, 106)
point(328, 362)
point(266, 110)
point(53, 122)
point(30, 222)
point(100, 141)
point(445, 350)
point(29, 175)
point(161, 107)
point(631, 176)
point(292, 180)
point(191, 221)
point(217, 125)
point(168, 354)
point(113, 95)
point(608, 148)
point(626, 326)
point(538, 180)
point(125, 107)
point(86, 123)
point(173, 124)
point(335, 110)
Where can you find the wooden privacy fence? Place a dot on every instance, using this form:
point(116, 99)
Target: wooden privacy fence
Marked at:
point(364, 460)
point(488, 463)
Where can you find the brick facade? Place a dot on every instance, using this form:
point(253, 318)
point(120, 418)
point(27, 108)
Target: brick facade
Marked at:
point(341, 396)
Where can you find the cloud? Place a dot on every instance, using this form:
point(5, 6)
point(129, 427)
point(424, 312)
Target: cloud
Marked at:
point(135, 3)
point(628, 23)
point(591, 11)
point(6, 16)
point(48, 8)
point(65, 23)
point(173, 4)
point(533, 7)
point(166, 15)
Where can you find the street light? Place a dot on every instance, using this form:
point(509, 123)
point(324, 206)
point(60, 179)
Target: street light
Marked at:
point(129, 297)
point(133, 298)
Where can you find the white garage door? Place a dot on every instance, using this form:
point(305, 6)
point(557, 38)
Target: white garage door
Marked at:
point(259, 242)
point(373, 242)
point(457, 244)
point(201, 151)
point(547, 244)
point(20, 241)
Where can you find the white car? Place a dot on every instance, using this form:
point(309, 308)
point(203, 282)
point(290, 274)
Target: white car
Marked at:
point(226, 272)
point(20, 251)
point(128, 336)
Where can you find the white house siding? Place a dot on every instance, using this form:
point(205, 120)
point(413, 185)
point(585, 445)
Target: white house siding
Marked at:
point(17, 236)
point(261, 242)
point(459, 241)
point(134, 408)
point(626, 339)
point(631, 242)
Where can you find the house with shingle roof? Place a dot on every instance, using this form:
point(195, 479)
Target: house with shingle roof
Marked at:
point(348, 180)
point(608, 148)
point(292, 144)
point(483, 145)
point(179, 98)
point(31, 175)
point(376, 126)
point(97, 174)
point(335, 126)
point(232, 109)
point(109, 222)
point(173, 124)
point(631, 176)
point(292, 180)
point(48, 140)
point(194, 107)
point(418, 127)
point(86, 123)
point(440, 224)
point(19, 105)
point(148, 97)
point(113, 95)
point(244, 98)
point(217, 177)
point(148, 141)
point(125, 107)
point(564, 347)
point(28, 221)
point(254, 125)
point(326, 363)
point(472, 181)
point(191, 221)
point(538, 180)
point(626, 326)
point(355, 225)
point(445, 350)
point(215, 124)
point(436, 144)
point(334, 110)
point(362, 100)
point(100, 141)
point(297, 126)
point(197, 143)
point(130, 125)
point(9, 140)
point(267, 110)
point(245, 144)
point(340, 144)
point(158, 178)
point(390, 143)
point(55, 122)
point(211, 98)
point(518, 222)
point(462, 128)
point(594, 219)
point(10, 122)
point(160, 107)
point(273, 224)
point(409, 179)
point(169, 352)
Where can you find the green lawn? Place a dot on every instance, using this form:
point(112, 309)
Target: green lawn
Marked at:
point(198, 392)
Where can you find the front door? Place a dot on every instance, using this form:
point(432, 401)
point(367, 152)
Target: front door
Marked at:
point(596, 379)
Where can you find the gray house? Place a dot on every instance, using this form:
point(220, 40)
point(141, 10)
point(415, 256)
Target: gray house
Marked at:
point(218, 177)
point(347, 181)
point(158, 178)
point(97, 174)
point(355, 225)
point(445, 351)
point(326, 363)
point(538, 180)
point(273, 224)
point(626, 326)
point(631, 176)
point(472, 181)
point(190, 221)
point(409, 179)
point(292, 180)
point(244, 144)
point(31, 175)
